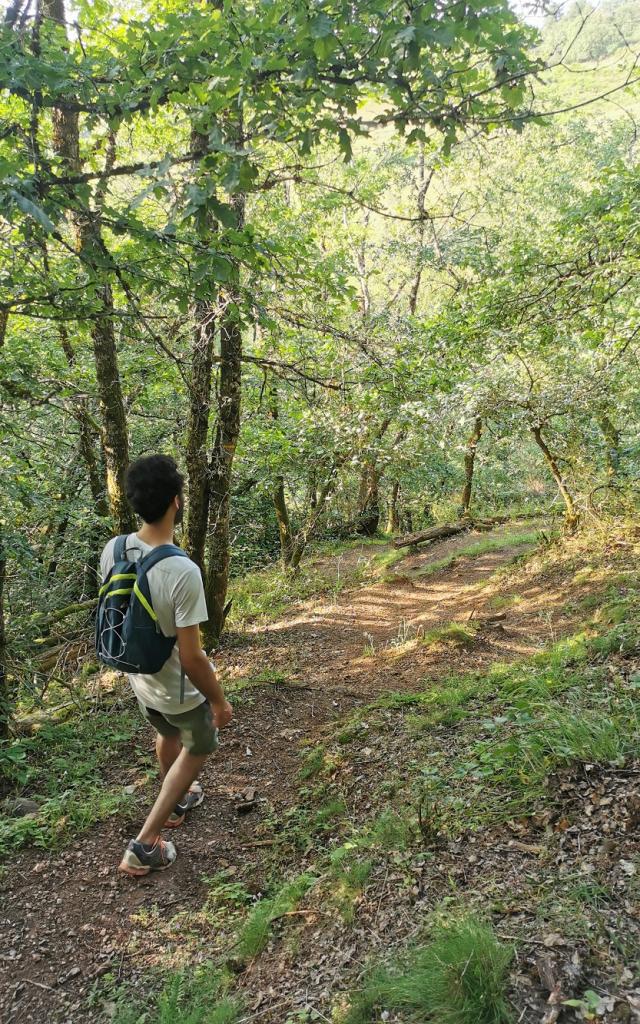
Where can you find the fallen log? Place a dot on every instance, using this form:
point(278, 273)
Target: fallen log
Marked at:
point(433, 533)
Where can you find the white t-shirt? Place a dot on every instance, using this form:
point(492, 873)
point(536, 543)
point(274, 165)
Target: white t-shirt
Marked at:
point(177, 596)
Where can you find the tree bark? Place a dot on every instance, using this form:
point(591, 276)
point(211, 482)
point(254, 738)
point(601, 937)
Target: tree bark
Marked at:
point(282, 518)
point(393, 519)
point(369, 501)
point(198, 431)
point(571, 515)
point(279, 495)
point(115, 436)
point(368, 517)
point(91, 250)
point(223, 451)
point(469, 462)
point(304, 535)
point(433, 533)
point(423, 185)
point(205, 317)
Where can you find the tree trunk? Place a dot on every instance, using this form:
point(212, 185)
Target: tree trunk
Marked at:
point(469, 462)
point(611, 435)
point(571, 516)
point(198, 431)
point(279, 495)
point(423, 184)
point(368, 501)
point(91, 250)
point(368, 516)
point(221, 461)
point(115, 437)
point(393, 520)
point(205, 317)
point(284, 524)
point(304, 535)
point(433, 533)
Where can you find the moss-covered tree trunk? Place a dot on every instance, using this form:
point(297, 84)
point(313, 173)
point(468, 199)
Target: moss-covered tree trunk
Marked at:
point(469, 464)
point(393, 517)
point(571, 514)
point(283, 521)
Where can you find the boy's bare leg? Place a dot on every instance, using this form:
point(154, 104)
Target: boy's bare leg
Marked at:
point(181, 774)
point(167, 750)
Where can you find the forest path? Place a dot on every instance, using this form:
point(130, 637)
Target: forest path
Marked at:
point(68, 918)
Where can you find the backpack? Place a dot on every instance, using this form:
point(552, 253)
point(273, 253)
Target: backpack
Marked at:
point(128, 636)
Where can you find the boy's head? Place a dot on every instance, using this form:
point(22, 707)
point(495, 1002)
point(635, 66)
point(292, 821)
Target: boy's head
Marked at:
point(152, 484)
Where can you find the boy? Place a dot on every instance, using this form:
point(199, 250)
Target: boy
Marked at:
point(184, 701)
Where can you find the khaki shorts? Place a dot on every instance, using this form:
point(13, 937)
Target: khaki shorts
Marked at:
point(195, 728)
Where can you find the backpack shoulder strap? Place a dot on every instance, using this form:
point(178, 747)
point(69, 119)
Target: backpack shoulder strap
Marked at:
point(157, 555)
point(120, 548)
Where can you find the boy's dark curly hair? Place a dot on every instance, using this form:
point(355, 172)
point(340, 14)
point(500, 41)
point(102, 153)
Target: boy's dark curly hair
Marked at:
point(151, 484)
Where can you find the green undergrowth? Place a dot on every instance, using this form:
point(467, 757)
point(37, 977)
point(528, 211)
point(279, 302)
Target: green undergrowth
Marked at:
point(461, 634)
point(458, 977)
point(62, 767)
point(191, 997)
point(254, 934)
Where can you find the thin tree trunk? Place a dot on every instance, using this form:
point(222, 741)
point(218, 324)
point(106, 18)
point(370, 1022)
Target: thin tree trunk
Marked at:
point(369, 501)
point(304, 535)
point(423, 184)
point(224, 446)
point(393, 520)
point(282, 518)
point(469, 463)
point(571, 517)
point(279, 495)
point(91, 250)
point(198, 431)
point(113, 418)
point(221, 461)
point(368, 516)
point(205, 316)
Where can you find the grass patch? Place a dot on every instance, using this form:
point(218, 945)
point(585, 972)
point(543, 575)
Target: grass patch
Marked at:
point(266, 677)
point(256, 931)
point(457, 633)
point(460, 977)
point(191, 997)
point(62, 767)
point(389, 831)
point(481, 547)
point(349, 875)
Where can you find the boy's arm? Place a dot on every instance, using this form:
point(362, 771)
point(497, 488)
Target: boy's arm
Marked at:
point(201, 673)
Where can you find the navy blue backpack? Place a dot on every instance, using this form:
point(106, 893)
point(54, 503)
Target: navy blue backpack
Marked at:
point(128, 636)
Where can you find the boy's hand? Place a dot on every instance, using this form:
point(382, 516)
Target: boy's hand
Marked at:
point(223, 714)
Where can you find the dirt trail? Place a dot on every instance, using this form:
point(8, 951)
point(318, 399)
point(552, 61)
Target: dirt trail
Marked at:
point(66, 916)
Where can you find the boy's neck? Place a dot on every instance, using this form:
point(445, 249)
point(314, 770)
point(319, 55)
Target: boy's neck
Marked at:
point(158, 533)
